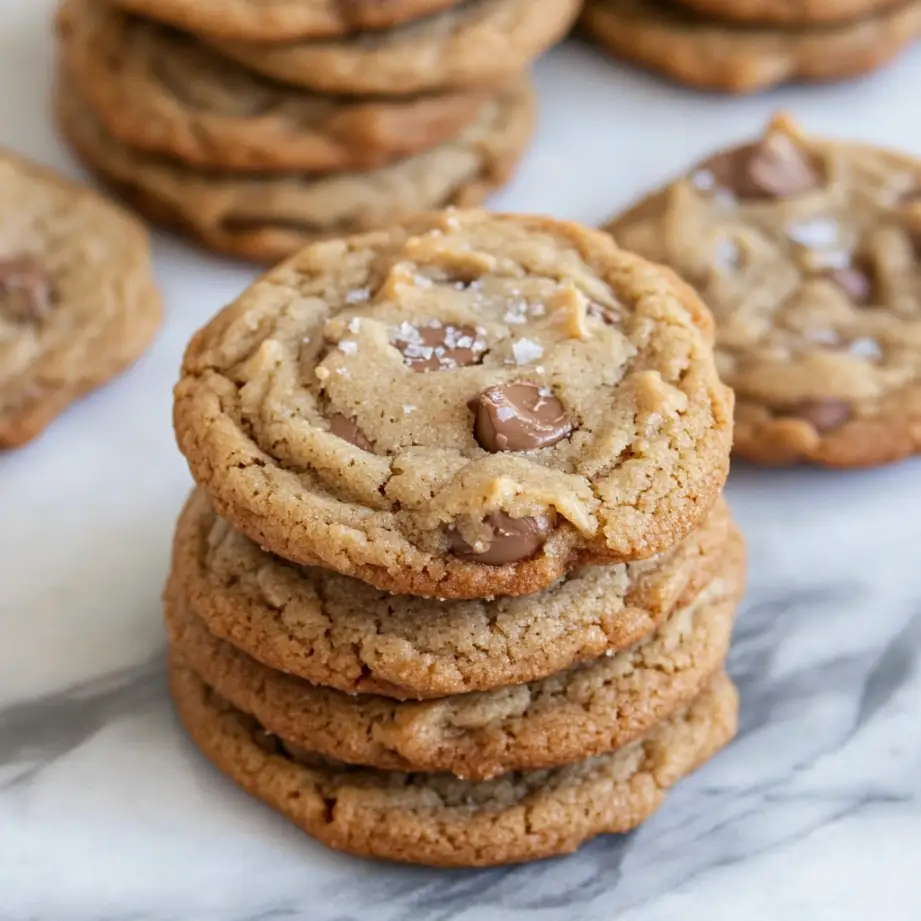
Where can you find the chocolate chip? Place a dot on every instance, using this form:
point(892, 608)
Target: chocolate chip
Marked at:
point(855, 280)
point(25, 289)
point(519, 417)
point(824, 415)
point(348, 430)
point(438, 347)
point(772, 168)
point(505, 540)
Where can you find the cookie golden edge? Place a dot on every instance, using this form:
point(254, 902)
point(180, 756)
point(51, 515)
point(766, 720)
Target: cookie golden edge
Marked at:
point(382, 815)
point(425, 736)
point(298, 21)
point(723, 65)
point(365, 134)
point(270, 244)
point(788, 13)
point(25, 416)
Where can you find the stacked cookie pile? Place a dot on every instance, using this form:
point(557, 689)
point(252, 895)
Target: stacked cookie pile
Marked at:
point(742, 46)
point(257, 127)
point(409, 445)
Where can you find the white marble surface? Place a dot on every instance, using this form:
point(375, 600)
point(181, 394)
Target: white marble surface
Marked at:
point(107, 814)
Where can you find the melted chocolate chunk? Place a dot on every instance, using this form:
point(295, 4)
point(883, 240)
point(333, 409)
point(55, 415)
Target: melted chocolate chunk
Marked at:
point(346, 429)
point(25, 289)
point(439, 347)
point(771, 168)
point(519, 417)
point(824, 415)
point(506, 540)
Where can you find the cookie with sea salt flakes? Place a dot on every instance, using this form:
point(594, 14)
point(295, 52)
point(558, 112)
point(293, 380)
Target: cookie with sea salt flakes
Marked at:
point(77, 300)
point(439, 819)
point(463, 405)
point(808, 252)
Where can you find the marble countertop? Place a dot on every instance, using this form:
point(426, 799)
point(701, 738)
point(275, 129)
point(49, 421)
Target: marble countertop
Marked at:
point(108, 814)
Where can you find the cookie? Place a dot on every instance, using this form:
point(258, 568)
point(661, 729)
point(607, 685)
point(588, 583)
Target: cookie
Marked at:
point(77, 301)
point(808, 250)
point(441, 820)
point(477, 43)
point(281, 20)
point(165, 92)
point(584, 711)
point(789, 12)
point(462, 406)
point(717, 55)
point(336, 631)
point(267, 217)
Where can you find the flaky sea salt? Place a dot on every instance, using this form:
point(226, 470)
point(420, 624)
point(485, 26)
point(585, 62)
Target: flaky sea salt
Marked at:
point(526, 351)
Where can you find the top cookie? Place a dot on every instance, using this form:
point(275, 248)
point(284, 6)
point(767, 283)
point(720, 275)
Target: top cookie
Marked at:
point(77, 301)
point(478, 43)
point(281, 20)
point(465, 405)
point(809, 253)
point(789, 12)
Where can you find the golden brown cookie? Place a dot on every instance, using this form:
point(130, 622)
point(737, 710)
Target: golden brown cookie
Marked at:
point(584, 711)
point(281, 20)
point(808, 251)
point(717, 55)
point(477, 43)
point(462, 406)
point(77, 301)
point(336, 631)
point(439, 819)
point(166, 92)
point(788, 12)
point(268, 217)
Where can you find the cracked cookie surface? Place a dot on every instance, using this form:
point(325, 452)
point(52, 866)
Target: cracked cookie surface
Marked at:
point(336, 631)
point(441, 820)
point(166, 92)
point(462, 406)
point(269, 217)
point(808, 251)
point(583, 711)
point(477, 43)
point(77, 301)
point(739, 58)
point(280, 20)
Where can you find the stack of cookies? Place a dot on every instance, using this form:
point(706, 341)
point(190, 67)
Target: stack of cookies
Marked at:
point(742, 46)
point(256, 127)
point(457, 582)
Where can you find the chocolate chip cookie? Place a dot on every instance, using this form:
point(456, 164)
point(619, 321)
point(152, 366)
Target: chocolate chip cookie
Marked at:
point(584, 711)
point(736, 58)
point(281, 20)
point(267, 217)
point(339, 632)
point(77, 301)
point(808, 251)
point(461, 406)
point(441, 820)
point(166, 92)
point(477, 43)
point(789, 12)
